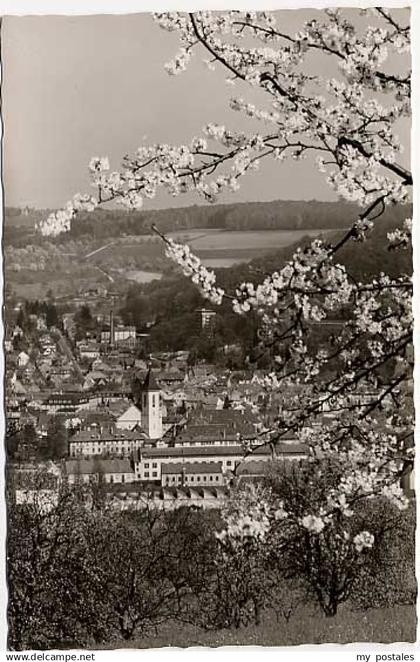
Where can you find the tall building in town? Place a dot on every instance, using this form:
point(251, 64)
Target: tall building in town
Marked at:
point(111, 329)
point(206, 319)
point(151, 408)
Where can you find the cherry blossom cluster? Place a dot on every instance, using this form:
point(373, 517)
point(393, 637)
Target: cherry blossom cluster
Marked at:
point(179, 63)
point(300, 282)
point(358, 147)
point(246, 516)
point(98, 165)
point(352, 132)
point(244, 528)
point(312, 523)
point(191, 266)
point(359, 179)
point(267, 521)
point(401, 237)
point(363, 540)
point(60, 221)
point(371, 464)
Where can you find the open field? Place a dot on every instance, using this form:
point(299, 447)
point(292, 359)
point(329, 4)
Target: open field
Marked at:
point(226, 257)
point(139, 276)
point(268, 239)
point(216, 247)
point(35, 284)
point(223, 248)
point(140, 259)
point(306, 626)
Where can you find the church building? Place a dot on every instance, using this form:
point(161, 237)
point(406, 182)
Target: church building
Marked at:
point(151, 407)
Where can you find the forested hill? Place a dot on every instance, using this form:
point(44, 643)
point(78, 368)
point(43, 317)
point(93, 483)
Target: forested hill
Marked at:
point(364, 260)
point(103, 223)
point(171, 302)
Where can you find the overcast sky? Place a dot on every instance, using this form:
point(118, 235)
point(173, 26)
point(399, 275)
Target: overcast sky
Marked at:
point(77, 87)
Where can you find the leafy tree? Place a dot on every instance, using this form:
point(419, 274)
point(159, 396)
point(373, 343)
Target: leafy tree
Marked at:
point(136, 599)
point(28, 436)
point(51, 316)
point(227, 404)
point(21, 319)
point(19, 343)
point(334, 554)
point(241, 582)
point(84, 321)
point(54, 596)
point(12, 440)
point(21, 442)
point(390, 579)
point(56, 443)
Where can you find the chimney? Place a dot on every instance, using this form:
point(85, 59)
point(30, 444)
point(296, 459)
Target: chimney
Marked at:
point(111, 328)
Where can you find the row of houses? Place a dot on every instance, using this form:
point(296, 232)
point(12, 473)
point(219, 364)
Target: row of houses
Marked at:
point(154, 463)
point(173, 466)
point(170, 467)
point(204, 449)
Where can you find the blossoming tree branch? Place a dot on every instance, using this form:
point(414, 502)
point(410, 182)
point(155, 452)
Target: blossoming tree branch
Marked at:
point(351, 398)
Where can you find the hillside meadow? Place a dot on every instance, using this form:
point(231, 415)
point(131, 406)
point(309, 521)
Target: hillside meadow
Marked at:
point(133, 258)
point(305, 626)
point(66, 263)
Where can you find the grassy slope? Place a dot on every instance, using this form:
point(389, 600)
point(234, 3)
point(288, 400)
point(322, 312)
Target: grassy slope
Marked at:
point(371, 257)
point(172, 300)
point(393, 624)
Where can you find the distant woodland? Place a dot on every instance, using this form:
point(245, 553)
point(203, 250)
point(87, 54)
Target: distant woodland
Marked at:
point(170, 303)
point(104, 223)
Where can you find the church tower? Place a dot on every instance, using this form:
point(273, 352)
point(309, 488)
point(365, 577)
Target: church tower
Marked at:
point(151, 409)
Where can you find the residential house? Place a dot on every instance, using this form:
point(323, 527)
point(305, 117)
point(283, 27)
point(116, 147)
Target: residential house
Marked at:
point(251, 469)
point(148, 461)
point(37, 484)
point(93, 379)
point(129, 419)
point(97, 470)
point(17, 332)
point(69, 324)
point(192, 473)
point(119, 334)
point(23, 359)
point(65, 402)
point(121, 443)
point(212, 435)
point(170, 378)
point(88, 350)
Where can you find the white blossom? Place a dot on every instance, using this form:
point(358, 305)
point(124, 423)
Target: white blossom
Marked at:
point(313, 523)
point(99, 164)
point(191, 266)
point(363, 540)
